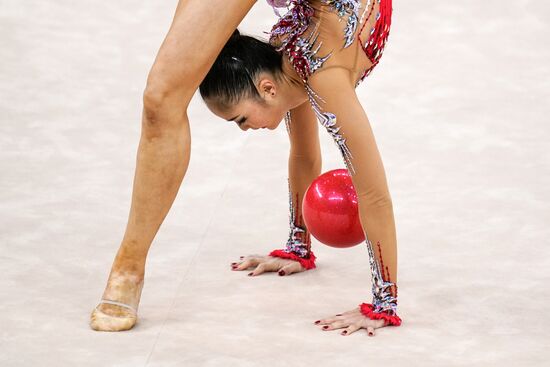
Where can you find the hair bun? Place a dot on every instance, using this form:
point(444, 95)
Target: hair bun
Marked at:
point(236, 34)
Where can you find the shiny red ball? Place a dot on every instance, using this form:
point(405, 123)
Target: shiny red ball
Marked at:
point(330, 210)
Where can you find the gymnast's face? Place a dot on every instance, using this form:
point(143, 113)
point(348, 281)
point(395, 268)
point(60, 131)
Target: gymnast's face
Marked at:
point(265, 112)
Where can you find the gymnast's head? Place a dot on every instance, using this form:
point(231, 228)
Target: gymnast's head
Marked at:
point(247, 84)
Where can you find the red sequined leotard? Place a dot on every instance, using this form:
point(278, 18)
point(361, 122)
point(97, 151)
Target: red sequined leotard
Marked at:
point(349, 35)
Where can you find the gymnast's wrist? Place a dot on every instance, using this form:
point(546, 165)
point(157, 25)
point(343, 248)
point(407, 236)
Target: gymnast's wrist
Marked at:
point(389, 316)
point(307, 261)
point(299, 244)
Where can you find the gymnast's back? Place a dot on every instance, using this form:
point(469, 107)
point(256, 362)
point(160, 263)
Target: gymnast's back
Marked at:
point(317, 35)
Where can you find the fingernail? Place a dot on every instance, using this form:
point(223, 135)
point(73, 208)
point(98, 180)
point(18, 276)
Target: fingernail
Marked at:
point(282, 272)
point(371, 334)
point(325, 327)
point(233, 264)
point(339, 314)
point(250, 274)
point(317, 322)
point(344, 332)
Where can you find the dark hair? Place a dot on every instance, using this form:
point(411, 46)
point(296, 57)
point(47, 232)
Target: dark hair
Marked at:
point(231, 77)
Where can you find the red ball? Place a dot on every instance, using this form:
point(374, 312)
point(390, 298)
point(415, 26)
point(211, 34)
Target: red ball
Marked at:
point(330, 210)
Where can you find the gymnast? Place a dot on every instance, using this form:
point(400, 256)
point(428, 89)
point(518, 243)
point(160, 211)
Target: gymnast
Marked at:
point(318, 52)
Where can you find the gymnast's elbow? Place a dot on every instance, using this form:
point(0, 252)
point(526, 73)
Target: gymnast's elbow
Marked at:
point(375, 198)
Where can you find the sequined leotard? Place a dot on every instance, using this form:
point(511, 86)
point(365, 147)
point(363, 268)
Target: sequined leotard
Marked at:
point(348, 35)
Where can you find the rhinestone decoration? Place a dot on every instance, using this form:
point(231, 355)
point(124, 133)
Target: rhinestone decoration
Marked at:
point(294, 243)
point(328, 120)
point(351, 9)
point(378, 35)
point(382, 299)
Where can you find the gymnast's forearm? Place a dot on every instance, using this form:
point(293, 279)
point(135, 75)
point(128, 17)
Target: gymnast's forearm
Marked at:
point(302, 170)
point(376, 213)
point(303, 167)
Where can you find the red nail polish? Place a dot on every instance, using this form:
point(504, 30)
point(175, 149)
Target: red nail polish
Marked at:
point(317, 322)
point(371, 334)
point(339, 314)
point(344, 332)
point(325, 327)
point(250, 274)
point(281, 273)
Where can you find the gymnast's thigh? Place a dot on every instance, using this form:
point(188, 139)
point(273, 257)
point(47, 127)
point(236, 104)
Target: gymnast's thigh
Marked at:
point(180, 64)
point(338, 92)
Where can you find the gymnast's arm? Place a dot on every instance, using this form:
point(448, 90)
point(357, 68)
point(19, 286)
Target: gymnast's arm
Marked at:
point(335, 85)
point(304, 161)
point(304, 165)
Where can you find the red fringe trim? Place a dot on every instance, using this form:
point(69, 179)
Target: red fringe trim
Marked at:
point(306, 263)
point(367, 310)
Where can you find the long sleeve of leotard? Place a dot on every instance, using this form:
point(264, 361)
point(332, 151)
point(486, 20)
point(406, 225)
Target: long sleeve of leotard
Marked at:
point(343, 110)
point(304, 165)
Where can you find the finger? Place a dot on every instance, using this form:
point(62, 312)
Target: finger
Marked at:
point(350, 329)
point(325, 321)
point(259, 270)
point(244, 258)
point(370, 330)
point(336, 325)
point(348, 312)
point(247, 264)
point(330, 319)
point(293, 267)
point(263, 267)
point(338, 316)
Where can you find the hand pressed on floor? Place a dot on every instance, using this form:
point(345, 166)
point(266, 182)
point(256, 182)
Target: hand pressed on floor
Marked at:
point(262, 264)
point(351, 321)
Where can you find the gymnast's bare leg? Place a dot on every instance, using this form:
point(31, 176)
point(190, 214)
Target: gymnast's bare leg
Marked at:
point(165, 144)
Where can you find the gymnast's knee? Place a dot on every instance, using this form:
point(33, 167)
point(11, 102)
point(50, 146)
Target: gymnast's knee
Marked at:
point(164, 105)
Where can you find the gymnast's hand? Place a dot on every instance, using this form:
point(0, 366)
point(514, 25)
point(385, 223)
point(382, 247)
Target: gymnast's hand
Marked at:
point(262, 264)
point(350, 321)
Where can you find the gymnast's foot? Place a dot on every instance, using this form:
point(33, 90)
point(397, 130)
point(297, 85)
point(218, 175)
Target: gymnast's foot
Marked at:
point(262, 264)
point(125, 290)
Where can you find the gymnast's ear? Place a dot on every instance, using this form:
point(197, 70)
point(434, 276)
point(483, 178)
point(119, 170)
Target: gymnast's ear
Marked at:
point(267, 88)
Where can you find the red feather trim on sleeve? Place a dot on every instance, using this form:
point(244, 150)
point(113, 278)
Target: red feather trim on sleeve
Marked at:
point(367, 310)
point(308, 263)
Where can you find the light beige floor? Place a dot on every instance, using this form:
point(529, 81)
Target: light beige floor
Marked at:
point(459, 109)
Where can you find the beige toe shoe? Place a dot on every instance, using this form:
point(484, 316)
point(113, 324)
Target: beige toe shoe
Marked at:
point(101, 321)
